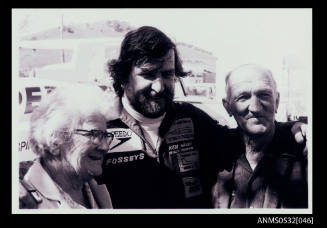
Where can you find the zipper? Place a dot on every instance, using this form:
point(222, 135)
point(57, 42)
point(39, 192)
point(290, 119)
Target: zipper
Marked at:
point(126, 118)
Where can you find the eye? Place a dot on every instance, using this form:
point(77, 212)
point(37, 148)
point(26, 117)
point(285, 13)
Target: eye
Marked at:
point(94, 133)
point(242, 97)
point(87, 133)
point(148, 76)
point(265, 95)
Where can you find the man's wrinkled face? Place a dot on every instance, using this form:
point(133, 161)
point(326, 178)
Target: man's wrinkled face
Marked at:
point(252, 100)
point(150, 88)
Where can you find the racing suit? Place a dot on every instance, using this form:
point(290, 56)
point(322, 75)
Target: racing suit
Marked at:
point(183, 170)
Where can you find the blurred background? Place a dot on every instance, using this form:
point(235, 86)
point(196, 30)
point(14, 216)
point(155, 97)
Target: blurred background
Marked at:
point(57, 46)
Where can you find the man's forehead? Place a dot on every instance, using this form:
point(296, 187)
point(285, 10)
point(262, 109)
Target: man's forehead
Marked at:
point(249, 75)
point(248, 79)
point(154, 63)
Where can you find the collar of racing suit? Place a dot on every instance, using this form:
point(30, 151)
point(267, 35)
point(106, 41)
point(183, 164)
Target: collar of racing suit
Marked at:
point(133, 124)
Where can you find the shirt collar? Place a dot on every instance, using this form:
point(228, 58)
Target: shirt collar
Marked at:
point(41, 180)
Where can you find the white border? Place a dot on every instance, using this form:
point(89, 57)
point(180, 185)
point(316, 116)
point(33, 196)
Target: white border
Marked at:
point(15, 125)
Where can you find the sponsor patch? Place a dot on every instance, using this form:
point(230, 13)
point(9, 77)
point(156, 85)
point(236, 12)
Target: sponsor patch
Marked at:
point(192, 186)
point(123, 158)
point(124, 140)
point(184, 157)
point(188, 160)
point(181, 130)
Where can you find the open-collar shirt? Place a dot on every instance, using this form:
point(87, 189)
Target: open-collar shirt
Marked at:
point(51, 193)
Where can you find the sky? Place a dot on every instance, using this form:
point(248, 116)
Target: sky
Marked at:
point(232, 35)
point(216, 30)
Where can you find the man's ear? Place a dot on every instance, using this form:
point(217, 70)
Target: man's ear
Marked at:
point(277, 101)
point(226, 105)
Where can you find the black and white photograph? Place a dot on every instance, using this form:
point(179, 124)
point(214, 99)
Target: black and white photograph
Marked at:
point(159, 111)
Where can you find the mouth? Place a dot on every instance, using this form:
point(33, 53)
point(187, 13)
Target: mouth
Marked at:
point(155, 97)
point(150, 94)
point(255, 117)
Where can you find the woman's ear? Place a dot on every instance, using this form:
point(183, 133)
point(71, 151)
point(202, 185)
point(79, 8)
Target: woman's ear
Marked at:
point(54, 144)
point(54, 149)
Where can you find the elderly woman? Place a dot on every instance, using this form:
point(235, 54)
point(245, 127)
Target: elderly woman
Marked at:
point(68, 133)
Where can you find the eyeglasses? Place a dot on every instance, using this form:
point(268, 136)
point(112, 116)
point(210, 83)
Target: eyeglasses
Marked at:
point(96, 135)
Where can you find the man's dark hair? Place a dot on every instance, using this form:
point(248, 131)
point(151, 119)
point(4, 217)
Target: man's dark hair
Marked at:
point(140, 46)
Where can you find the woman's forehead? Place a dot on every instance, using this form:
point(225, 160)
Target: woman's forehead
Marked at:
point(94, 121)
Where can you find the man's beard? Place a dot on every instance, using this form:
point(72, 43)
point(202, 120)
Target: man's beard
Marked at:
point(149, 105)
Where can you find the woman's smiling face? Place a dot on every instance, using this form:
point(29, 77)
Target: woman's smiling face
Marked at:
point(87, 154)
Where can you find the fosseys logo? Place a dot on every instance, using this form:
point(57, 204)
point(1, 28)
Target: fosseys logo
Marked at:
point(125, 159)
point(121, 136)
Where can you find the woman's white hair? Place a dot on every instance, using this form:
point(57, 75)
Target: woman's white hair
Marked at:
point(66, 108)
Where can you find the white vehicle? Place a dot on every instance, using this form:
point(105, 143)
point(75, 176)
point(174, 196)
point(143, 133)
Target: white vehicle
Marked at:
point(87, 61)
point(206, 102)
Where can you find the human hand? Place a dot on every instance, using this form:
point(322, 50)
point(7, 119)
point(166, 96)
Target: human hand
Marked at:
point(26, 200)
point(299, 131)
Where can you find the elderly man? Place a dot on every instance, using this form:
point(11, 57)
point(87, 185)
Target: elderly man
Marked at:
point(68, 133)
point(270, 171)
point(165, 154)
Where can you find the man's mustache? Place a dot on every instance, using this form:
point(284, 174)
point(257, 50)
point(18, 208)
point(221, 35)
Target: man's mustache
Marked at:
point(151, 94)
point(253, 116)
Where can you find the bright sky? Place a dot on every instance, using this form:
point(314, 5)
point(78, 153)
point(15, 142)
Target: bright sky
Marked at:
point(202, 27)
point(230, 34)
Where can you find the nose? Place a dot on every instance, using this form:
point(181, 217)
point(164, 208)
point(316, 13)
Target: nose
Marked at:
point(103, 144)
point(255, 105)
point(157, 85)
